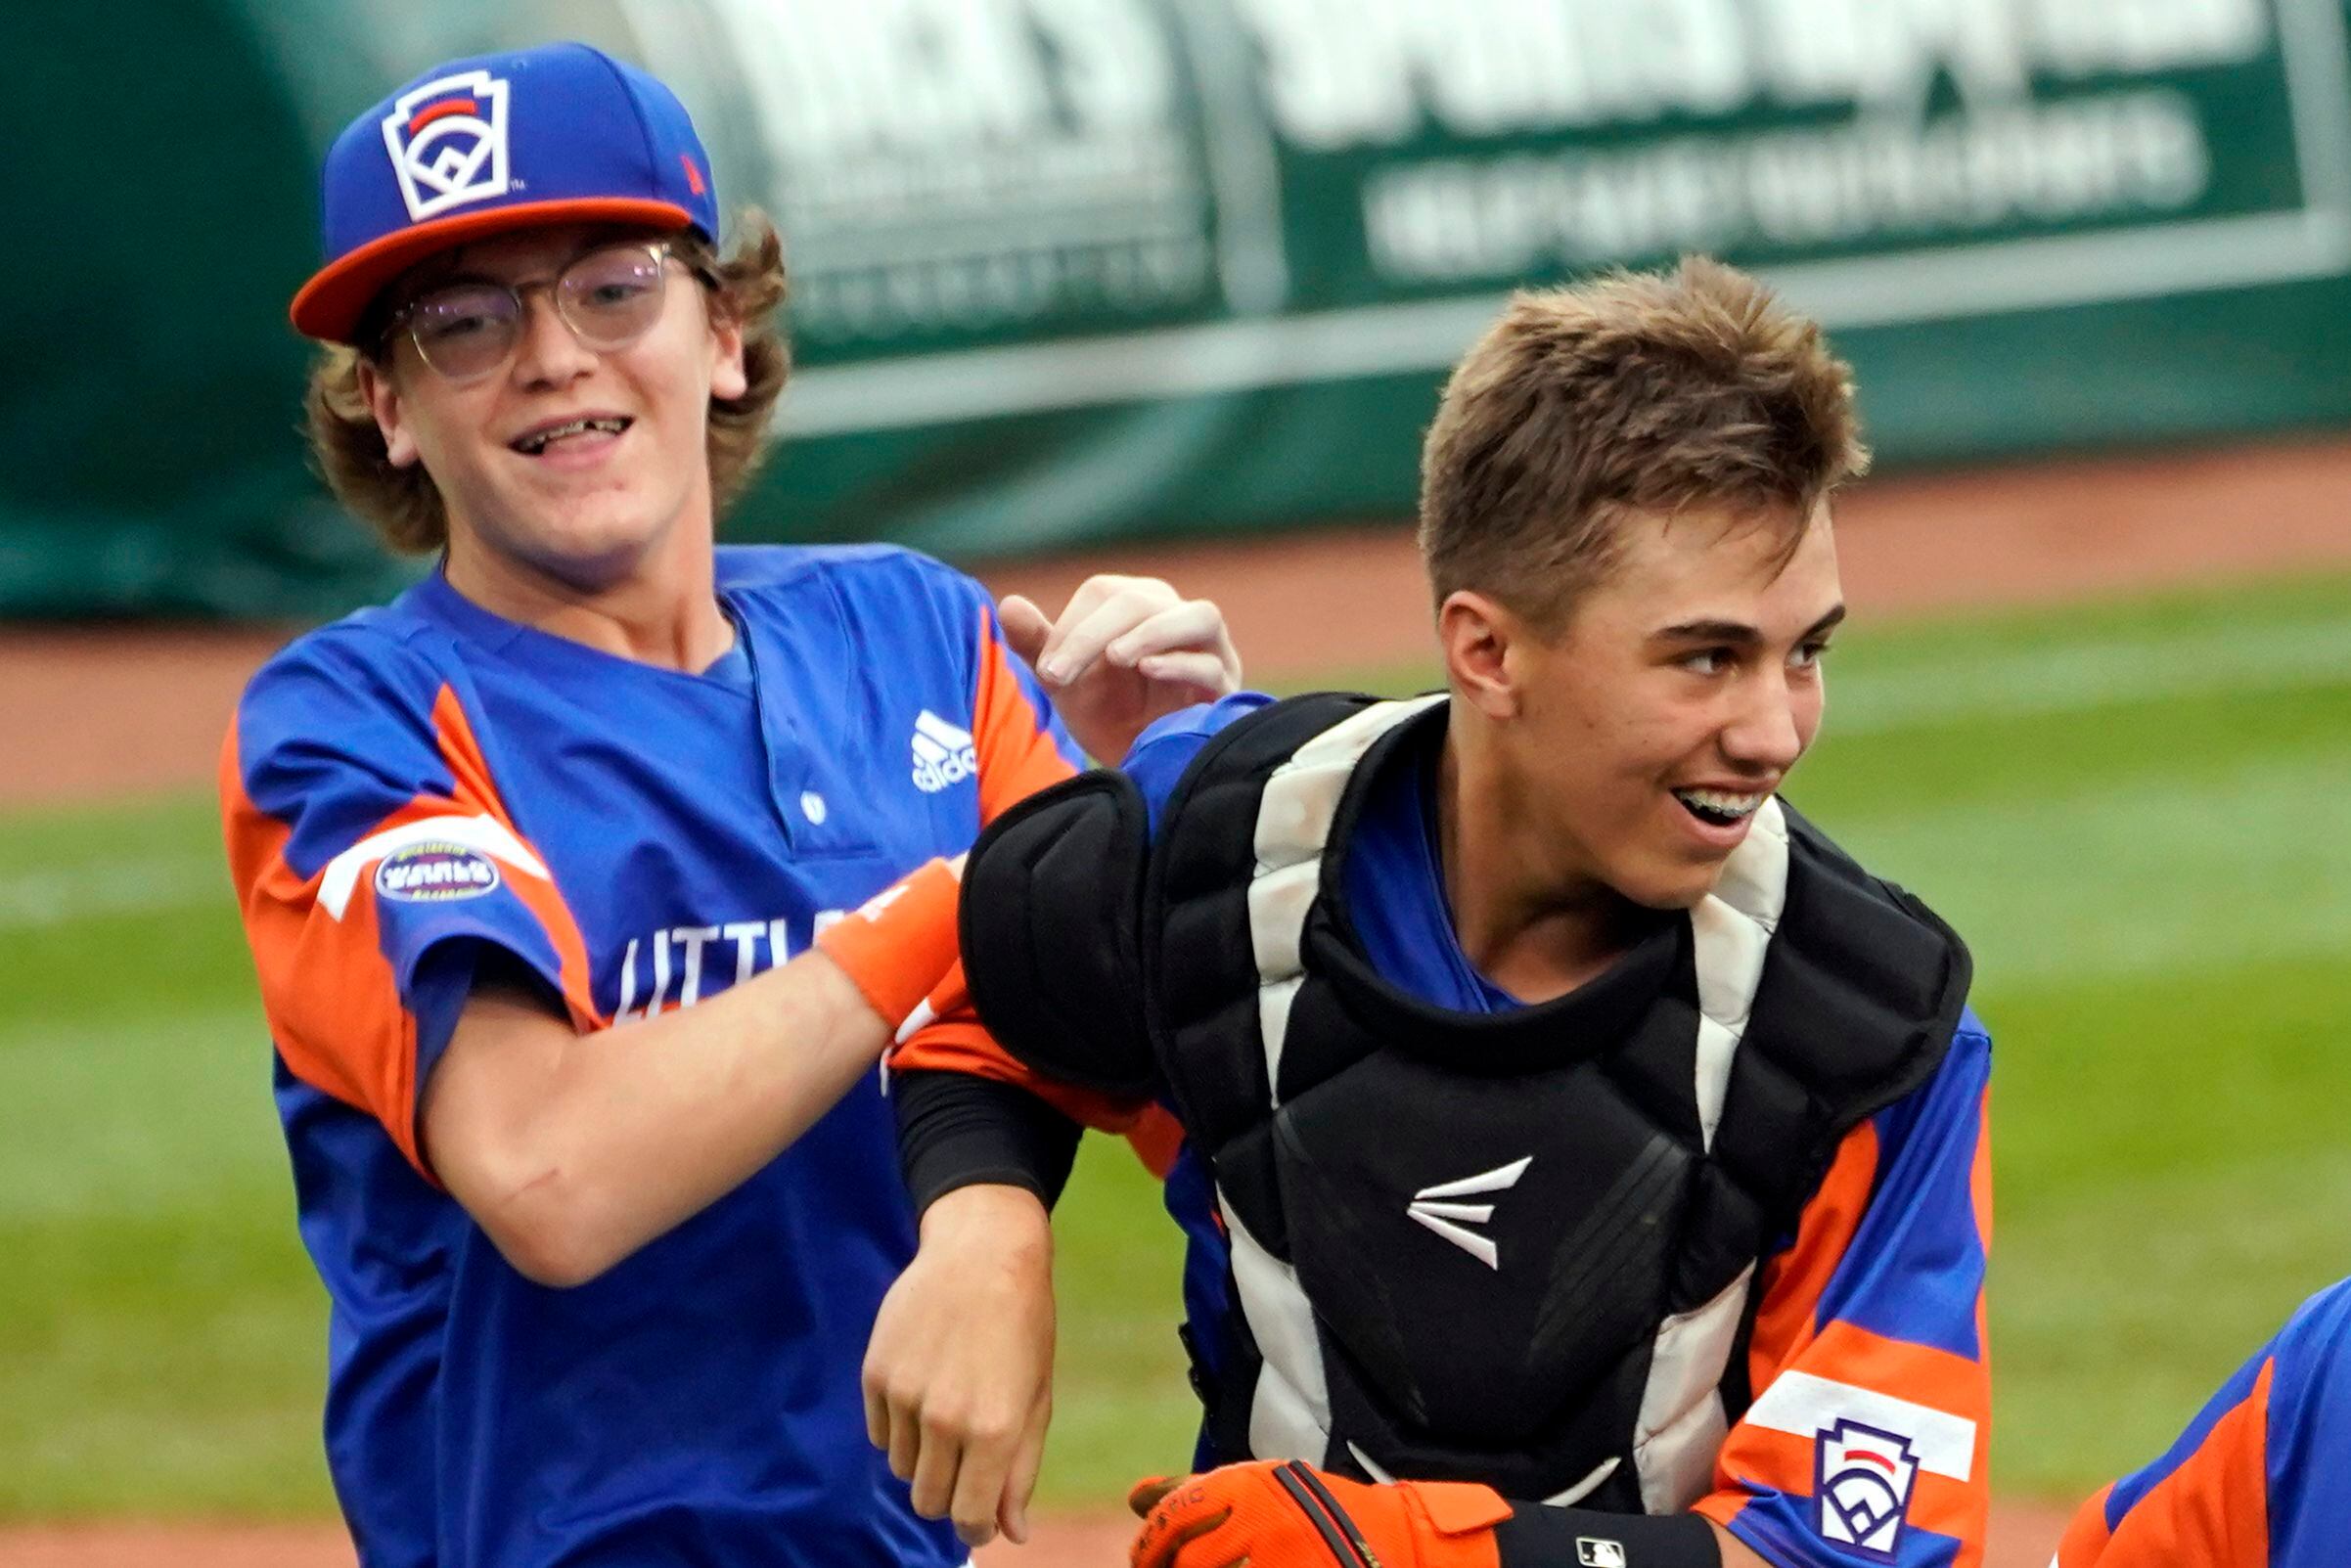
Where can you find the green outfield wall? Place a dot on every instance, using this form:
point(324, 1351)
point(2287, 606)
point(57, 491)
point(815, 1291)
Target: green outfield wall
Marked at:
point(1072, 270)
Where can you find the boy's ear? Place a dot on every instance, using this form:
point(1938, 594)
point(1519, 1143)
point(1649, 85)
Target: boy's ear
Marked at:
point(384, 401)
point(1477, 634)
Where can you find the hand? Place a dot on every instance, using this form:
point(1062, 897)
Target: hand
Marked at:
point(1127, 650)
point(959, 1374)
point(1268, 1512)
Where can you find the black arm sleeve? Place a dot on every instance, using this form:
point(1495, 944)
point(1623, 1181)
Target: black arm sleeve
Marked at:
point(1535, 1536)
point(956, 1130)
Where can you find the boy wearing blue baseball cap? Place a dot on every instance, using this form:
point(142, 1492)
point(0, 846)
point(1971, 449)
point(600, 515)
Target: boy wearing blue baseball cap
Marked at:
point(587, 881)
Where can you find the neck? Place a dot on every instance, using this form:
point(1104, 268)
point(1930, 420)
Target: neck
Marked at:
point(661, 609)
point(1526, 918)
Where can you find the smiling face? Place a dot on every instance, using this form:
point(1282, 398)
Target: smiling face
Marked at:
point(626, 472)
point(1638, 741)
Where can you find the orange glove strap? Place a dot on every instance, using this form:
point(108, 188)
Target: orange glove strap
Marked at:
point(1282, 1513)
point(897, 947)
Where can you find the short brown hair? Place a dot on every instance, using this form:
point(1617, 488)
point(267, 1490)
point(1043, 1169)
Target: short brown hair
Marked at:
point(1634, 391)
point(746, 285)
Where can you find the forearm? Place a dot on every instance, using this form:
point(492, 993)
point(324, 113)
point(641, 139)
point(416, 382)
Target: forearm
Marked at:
point(574, 1151)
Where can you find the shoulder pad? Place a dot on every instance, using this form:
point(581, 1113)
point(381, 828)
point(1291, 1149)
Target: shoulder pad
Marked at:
point(1051, 922)
point(1866, 973)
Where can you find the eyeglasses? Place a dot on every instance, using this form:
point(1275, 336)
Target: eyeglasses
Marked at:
point(608, 298)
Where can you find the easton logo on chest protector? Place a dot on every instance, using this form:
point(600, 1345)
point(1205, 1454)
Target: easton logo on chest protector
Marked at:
point(1433, 1207)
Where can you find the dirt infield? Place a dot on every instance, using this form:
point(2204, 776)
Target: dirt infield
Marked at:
point(131, 711)
point(2022, 1537)
point(126, 712)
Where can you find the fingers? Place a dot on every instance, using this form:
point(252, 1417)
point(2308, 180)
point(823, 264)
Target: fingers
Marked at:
point(892, 1425)
point(1025, 627)
point(931, 1484)
point(1201, 673)
point(877, 1412)
point(1169, 1530)
point(1148, 1492)
point(977, 1496)
point(904, 1444)
point(1081, 634)
point(974, 1471)
point(1108, 609)
point(1191, 625)
point(1021, 1479)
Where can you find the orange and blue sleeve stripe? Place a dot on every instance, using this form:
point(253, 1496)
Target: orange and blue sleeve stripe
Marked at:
point(1022, 746)
point(311, 808)
point(1869, 1432)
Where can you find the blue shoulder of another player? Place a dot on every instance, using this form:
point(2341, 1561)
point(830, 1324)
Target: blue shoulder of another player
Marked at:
point(1167, 747)
point(2308, 1431)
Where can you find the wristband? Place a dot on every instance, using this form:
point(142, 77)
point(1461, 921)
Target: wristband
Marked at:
point(900, 943)
point(1537, 1536)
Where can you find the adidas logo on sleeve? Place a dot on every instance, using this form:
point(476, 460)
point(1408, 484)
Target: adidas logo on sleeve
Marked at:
point(943, 754)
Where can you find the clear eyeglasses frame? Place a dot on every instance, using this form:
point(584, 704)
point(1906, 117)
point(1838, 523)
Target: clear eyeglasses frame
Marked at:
point(608, 298)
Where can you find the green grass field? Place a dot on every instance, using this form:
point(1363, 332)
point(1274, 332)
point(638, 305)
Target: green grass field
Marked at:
point(2124, 810)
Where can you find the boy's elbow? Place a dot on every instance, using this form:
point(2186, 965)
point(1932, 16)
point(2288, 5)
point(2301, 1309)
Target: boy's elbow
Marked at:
point(556, 1255)
point(548, 1234)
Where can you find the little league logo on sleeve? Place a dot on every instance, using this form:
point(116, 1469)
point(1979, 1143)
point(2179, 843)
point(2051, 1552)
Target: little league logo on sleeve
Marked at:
point(447, 142)
point(1863, 1486)
point(1869, 1448)
point(434, 871)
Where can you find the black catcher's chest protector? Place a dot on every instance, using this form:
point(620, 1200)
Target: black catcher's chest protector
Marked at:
point(1518, 1248)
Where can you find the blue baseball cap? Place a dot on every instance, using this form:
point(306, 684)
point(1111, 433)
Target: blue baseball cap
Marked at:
point(558, 134)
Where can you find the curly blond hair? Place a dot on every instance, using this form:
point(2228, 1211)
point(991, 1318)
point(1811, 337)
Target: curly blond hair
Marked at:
point(747, 287)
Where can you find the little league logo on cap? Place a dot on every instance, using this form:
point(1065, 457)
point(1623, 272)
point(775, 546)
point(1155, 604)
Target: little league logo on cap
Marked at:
point(447, 141)
point(559, 134)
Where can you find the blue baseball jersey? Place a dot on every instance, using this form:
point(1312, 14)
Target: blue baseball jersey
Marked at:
point(1869, 1319)
point(2260, 1479)
point(420, 787)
